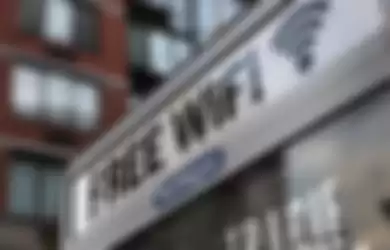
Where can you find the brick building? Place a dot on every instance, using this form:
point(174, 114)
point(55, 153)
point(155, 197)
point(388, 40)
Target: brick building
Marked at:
point(62, 83)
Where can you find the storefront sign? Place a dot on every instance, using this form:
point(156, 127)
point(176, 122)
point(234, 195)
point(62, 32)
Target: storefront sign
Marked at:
point(226, 107)
point(213, 108)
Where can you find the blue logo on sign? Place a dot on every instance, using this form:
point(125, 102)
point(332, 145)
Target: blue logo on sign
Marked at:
point(188, 182)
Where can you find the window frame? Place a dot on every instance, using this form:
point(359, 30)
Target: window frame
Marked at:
point(48, 110)
point(87, 8)
point(99, 106)
point(14, 99)
point(32, 23)
point(40, 164)
point(42, 113)
point(53, 9)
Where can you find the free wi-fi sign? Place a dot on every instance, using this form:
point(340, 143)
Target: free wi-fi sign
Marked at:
point(296, 37)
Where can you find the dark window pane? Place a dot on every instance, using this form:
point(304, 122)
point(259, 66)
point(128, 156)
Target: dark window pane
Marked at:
point(31, 12)
point(87, 35)
point(138, 45)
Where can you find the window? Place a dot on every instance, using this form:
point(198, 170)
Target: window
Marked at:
point(52, 181)
point(58, 95)
point(61, 99)
point(58, 18)
point(22, 188)
point(181, 51)
point(190, 22)
point(86, 105)
point(166, 52)
point(26, 90)
point(157, 50)
point(62, 22)
point(87, 28)
point(31, 15)
point(138, 47)
point(206, 19)
point(35, 189)
point(228, 9)
point(179, 15)
point(160, 57)
point(213, 14)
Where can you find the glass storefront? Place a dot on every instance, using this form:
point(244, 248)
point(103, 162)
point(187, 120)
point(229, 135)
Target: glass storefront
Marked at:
point(338, 184)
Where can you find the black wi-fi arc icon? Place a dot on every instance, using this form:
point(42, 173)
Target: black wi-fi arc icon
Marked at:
point(296, 36)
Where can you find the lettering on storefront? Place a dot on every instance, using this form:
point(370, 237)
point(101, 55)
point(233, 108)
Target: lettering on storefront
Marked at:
point(214, 107)
point(126, 173)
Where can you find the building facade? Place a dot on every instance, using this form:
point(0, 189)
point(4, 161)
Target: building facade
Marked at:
point(62, 84)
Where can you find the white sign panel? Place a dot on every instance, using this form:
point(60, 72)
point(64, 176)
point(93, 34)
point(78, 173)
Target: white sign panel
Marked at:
point(193, 130)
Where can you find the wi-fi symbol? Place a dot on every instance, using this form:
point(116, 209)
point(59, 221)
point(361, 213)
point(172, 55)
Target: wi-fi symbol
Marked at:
point(296, 36)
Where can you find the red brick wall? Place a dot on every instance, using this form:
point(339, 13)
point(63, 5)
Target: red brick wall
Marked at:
point(111, 58)
point(109, 61)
